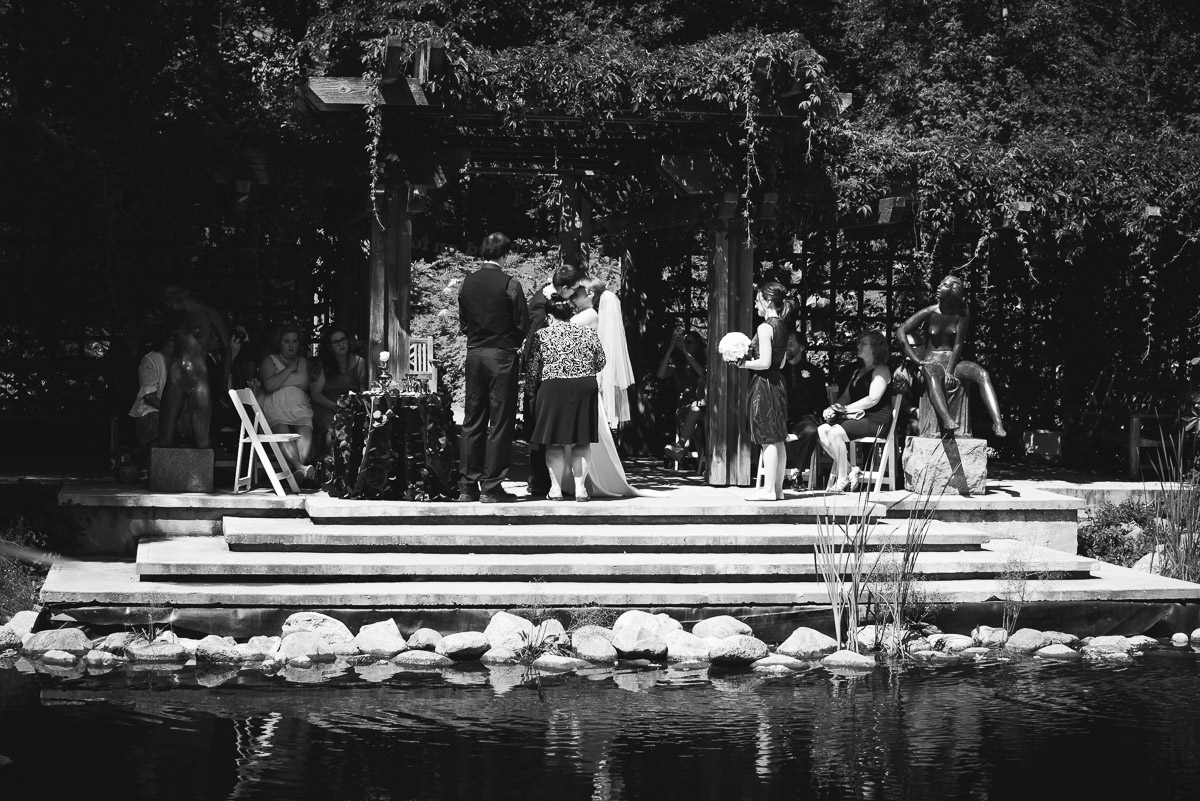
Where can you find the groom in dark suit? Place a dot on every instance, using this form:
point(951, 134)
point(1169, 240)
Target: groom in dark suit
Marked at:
point(492, 313)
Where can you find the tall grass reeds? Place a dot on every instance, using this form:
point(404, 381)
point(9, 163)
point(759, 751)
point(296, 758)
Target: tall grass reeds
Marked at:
point(1176, 529)
point(894, 588)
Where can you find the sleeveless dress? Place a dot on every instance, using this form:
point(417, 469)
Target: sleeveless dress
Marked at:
point(335, 387)
point(289, 405)
point(879, 415)
point(768, 395)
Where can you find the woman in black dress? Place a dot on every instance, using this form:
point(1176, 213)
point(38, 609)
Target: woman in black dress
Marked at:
point(562, 371)
point(768, 397)
point(868, 408)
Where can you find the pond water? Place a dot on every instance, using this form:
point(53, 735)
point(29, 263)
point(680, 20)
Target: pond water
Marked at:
point(1014, 728)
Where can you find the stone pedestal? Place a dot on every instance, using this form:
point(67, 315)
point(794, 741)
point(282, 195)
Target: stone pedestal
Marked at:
point(181, 470)
point(945, 465)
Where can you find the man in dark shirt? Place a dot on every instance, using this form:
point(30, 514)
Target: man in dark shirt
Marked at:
point(806, 397)
point(493, 315)
point(539, 474)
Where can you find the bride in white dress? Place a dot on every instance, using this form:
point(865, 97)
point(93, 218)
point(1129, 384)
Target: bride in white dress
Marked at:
point(606, 476)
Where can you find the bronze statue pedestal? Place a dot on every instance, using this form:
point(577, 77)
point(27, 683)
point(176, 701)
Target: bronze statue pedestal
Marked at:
point(945, 465)
point(181, 470)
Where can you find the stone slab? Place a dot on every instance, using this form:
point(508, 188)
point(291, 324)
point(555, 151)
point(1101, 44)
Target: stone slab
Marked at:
point(278, 534)
point(944, 465)
point(84, 583)
point(181, 470)
point(209, 558)
point(679, 506)
point(1019, 510)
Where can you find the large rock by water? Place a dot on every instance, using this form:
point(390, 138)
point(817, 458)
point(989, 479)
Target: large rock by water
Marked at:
point(422, 659)
point(738, 650)
point(216, 649)
point(509, 631)
point(330, 629)
point(258, 648)
point(71, 640)
point(848, 660)
point(140, 650)
point(635, 617)
point(594, 647)
point(549, 632)
point(56, 657)
point(381, 640)
point(1061, 638)
point(951, 643)
point(463, 646)
point(638, 642)
point(804, 643)
point(115, 643)
point(301, 646)
point(559, 664)
point(22, 622)
point(683, 646)
point(989, 637)
point(721, 626)
point(100, 659)
point(1058, 651)
point(588, 631)
point(1108, 644)
point(10, 639)
point(499, 656)
point(1027, 641)
point(425, 639)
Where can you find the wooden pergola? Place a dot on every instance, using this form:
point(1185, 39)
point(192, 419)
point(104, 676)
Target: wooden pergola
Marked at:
point(432, 143)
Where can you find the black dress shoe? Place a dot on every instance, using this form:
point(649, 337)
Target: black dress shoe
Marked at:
point(467, 497)
point(499, 496)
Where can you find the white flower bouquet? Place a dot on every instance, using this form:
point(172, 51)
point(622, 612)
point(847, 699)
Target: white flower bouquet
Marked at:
point(734, 346)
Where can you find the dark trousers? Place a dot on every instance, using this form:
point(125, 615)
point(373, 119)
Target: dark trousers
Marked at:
point(539, 473)
point(489, 418)
point(800, 450)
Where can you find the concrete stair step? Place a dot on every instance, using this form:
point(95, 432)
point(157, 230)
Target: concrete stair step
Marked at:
point(718, 505)
point(266, 534)
point(90, 583)
point(210, 559)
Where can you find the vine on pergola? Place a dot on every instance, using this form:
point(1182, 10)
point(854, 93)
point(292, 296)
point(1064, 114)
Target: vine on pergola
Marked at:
point(737, 77)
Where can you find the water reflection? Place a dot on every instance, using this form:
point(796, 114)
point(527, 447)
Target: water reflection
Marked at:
point(995, 729)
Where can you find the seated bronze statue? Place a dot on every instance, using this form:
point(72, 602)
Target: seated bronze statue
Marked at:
point(946, 324)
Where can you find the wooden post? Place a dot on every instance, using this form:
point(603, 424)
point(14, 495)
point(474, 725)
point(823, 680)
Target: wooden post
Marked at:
point(399, 277)
point(730, 300)
point(377, 285)
point(388, 278)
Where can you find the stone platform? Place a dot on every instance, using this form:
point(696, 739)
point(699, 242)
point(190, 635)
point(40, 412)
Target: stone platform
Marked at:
point(691, 550)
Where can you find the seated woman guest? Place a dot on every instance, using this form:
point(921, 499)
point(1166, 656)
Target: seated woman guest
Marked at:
point(562, 369)
point(285, 401)
point(868, 408)
point(339, 371)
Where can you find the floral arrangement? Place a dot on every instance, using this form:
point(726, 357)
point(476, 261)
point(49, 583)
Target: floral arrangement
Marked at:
point(734, 346)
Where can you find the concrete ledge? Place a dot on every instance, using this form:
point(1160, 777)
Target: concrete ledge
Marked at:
point(277, 534)
point(117, 583)
point(209, 559)
point(709, 505)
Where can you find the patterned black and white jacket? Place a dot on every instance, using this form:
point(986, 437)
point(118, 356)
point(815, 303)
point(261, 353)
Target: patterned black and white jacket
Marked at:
point(564, 351)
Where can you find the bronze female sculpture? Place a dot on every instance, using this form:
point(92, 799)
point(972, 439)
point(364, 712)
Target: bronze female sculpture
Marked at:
point(947, 324)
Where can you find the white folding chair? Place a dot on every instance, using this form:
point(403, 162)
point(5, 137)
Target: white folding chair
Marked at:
point(254, 434)
point(420, 360)
point(885, 470)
